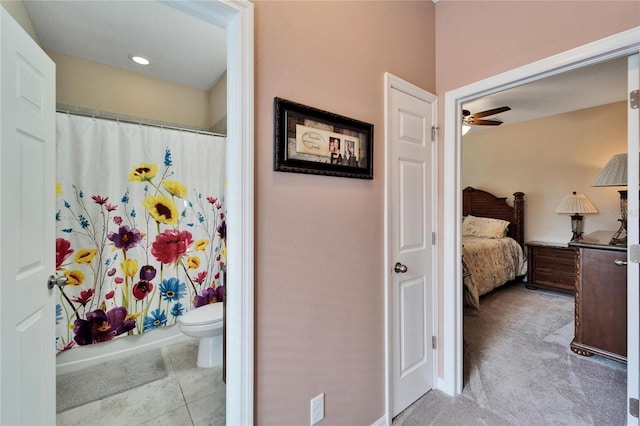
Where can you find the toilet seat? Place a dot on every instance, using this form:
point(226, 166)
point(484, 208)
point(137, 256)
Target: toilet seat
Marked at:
point(207, 314)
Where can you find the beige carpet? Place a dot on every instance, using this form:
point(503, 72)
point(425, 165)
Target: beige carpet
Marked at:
point(519, 370)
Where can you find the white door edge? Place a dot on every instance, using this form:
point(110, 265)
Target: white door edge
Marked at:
point(617, 45)
point(237, 16)
point(633, 292)
point(393, 82)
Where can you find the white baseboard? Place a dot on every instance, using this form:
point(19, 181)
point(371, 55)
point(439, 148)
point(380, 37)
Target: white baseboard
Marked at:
point(382, 421)
point(85, 356)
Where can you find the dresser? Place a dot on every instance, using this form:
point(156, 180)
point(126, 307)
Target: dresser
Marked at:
point(601, 297)
point(551, 266)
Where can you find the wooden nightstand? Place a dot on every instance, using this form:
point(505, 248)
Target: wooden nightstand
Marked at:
point(551, 266)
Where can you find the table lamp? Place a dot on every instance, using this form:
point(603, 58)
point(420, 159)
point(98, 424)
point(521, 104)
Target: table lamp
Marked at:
point(614, 173)
point(576, 204)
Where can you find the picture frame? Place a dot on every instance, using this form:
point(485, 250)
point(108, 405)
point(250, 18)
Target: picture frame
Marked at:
point(310, 140)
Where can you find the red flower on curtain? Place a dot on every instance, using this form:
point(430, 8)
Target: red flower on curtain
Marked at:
point(170, 245)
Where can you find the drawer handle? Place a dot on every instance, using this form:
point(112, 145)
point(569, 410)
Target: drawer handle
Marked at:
point(620, 262)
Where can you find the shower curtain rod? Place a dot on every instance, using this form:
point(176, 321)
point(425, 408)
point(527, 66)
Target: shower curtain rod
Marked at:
point(87, 112)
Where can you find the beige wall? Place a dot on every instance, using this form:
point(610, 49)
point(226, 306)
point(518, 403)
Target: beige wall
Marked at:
point(96, 86)
point(19, 13)
point(319, 240)
point(479, 39)
point(547, 159)
point(218, 105)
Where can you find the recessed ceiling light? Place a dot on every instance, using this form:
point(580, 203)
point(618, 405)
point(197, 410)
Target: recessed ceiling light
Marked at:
point(140, 60)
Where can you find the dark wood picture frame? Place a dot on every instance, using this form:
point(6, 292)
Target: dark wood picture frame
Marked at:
point(309, 140)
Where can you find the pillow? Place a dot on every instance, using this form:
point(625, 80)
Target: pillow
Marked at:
point(484, 227)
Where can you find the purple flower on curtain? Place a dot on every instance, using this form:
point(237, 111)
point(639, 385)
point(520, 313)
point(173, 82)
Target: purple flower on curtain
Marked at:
point(172, 289)
point(157, 319)
point(101, 327)
point(125, 238)
point(147, 272)
point(222, 229)
point(209, 295)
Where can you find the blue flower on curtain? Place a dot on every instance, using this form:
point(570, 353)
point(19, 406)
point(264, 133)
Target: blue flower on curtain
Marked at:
point(130, 272)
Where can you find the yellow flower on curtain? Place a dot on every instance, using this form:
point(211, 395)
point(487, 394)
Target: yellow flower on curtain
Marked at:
point(162, 209)
point(130, 267)
point(193, 262)
point(143, 172)
point(58, 188)
point(175, 188)
point(74, 277)
point(201, 245)
point(85, 256)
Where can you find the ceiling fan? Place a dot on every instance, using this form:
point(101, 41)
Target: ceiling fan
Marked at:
point(477, 118)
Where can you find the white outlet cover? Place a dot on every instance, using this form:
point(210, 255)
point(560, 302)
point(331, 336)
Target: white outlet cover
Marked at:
point(317, 409)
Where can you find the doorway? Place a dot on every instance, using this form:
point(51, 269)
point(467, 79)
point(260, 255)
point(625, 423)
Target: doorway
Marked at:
point(237, 19)
point(619, 45)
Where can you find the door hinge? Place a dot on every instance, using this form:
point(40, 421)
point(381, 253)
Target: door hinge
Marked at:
point(434, 133)
point(433, 238)
point(633, 407)
point(434, 342)
point(634, 99)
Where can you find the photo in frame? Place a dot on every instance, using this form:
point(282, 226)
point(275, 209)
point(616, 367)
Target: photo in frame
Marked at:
point(309, 140)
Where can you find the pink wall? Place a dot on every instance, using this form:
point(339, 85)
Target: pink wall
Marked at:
point(319, 240)
point(478, 39)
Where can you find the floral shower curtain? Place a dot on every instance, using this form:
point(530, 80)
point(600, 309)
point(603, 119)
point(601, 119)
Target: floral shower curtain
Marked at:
point(140, 227)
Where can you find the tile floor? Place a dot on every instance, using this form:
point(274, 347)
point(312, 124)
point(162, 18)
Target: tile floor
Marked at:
point(189, 395)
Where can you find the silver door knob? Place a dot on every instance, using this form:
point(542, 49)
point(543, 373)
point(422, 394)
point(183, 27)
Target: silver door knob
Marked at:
point(59, 281)
point(400, 268)
point(620, 262)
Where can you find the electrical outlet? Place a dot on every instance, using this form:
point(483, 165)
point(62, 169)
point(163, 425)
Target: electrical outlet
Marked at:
point(317, 409)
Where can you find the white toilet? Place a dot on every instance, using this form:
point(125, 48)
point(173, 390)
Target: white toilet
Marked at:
point(205, 323)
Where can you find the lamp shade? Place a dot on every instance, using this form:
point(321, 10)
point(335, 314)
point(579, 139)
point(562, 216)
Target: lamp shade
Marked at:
point(614, 173)
point(576, 203)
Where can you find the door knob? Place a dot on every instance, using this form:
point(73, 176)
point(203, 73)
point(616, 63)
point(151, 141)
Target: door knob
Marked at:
point(59, 281)
point(400, 268)
point(620, 262)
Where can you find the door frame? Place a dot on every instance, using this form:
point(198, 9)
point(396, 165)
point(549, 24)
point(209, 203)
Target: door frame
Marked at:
point(236, 16)
point(621, 44)
point(393, 82)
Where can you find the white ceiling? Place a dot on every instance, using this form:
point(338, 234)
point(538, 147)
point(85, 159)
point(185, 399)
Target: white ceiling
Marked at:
point(182, 48)
point(586, 87)
point(187, 50)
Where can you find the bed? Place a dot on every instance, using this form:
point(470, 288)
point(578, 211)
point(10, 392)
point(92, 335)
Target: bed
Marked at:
point(492, 242)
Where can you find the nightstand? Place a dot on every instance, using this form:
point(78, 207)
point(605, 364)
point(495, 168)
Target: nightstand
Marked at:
point(551, 266)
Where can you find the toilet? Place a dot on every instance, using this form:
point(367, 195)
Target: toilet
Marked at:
point(205, 323)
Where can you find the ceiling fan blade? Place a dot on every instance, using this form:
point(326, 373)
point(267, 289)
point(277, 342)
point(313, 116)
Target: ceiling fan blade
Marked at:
point(484, 122)
point(491, 112)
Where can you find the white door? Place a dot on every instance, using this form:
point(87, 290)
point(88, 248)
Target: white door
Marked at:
point(410, 202)
point(27, 229)
point(633, 280)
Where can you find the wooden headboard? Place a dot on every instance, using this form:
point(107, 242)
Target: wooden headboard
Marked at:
point(477, 202)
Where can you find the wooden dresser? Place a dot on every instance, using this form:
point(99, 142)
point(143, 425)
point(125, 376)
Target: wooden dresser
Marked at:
point(551, 266)
point(601, 297)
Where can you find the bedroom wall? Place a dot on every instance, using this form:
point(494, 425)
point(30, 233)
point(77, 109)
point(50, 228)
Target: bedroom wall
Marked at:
point(558, 155)
point(506, 35)
point(96, 86)
point(319, 240)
